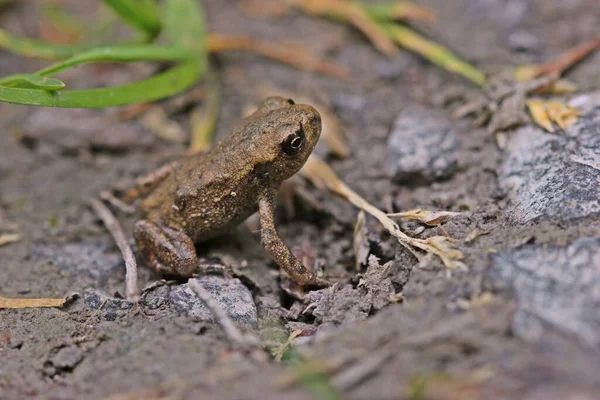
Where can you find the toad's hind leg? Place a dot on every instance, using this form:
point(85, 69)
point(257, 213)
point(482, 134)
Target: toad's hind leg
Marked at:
point(168, 251)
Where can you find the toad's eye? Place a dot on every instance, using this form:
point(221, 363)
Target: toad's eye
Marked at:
point(293, 143)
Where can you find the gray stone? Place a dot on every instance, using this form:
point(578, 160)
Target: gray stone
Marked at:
point(110, 308)
point(554, 176)
point(523, 41)
point(231, 294)
point(422, 146)
point(557, 286)
point(67, 358)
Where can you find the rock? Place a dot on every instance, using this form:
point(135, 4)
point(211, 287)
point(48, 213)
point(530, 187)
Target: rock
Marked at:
point(422, 146)
point(554, 176)
point(231, 294)
point(523, 41)
point(110, 308)
point(67, 358)
point(557, 286)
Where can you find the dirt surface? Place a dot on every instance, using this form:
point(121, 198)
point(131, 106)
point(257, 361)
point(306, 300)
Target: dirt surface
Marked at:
point(468, 335)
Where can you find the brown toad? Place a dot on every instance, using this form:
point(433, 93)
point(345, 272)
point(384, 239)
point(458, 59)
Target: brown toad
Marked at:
point(202, 196)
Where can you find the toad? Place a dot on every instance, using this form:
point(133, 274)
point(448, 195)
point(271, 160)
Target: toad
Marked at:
point(204, 195)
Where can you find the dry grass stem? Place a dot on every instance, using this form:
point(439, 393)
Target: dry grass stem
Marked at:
point(323, 177)
point(431, 218)
point(296, 56)
point(204, 122)
point(7, 238)
point(355, 15)
point(116, 202)
point(557, 67)
point(31, 303)
point(113, 226)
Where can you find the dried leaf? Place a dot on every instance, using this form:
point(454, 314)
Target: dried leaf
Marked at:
point(431, 218)
point(7, 238)
point(6, 302)
point(563, 115)
point(539, 115)
point(323, 177)
point(545, 112)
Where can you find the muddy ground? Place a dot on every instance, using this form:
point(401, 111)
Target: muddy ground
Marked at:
point(502, 329)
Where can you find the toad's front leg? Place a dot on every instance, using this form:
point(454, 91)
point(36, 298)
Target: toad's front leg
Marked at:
point(273, 244)
point(167, 250)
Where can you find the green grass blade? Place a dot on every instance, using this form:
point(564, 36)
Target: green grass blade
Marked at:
point(184, 25)
point(169, 83)
point(118, 54)
point(32, 81)
point(139, 14)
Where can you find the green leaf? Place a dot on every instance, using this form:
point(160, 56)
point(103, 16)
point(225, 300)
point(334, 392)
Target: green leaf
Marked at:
point(119, 54)
point(184, 25)
point(169, 83)
point(139, 14)
point(32, 81)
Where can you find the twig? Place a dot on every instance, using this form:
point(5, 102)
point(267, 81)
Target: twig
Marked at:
point(117, 203)
point(556, 67)
point(113, 226)
point(245, 340)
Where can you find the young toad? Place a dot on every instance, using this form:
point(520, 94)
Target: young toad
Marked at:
point(202, 196)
